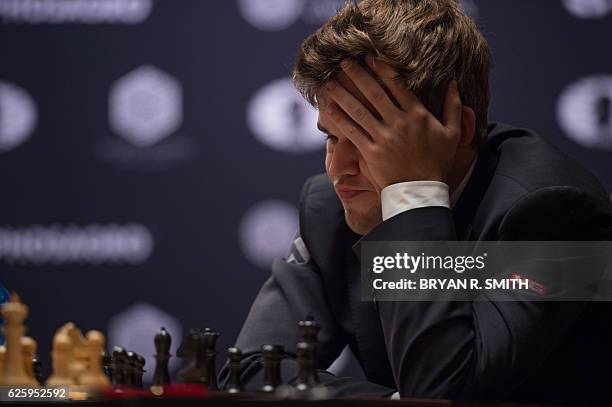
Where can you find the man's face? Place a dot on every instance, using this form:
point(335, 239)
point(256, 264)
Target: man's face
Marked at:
point(347, 169)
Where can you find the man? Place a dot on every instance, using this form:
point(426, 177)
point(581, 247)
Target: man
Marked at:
point(402, 92)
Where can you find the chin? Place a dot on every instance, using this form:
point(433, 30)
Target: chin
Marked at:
point(362, 222)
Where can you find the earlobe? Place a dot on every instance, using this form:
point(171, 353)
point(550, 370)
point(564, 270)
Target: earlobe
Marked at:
point(468, 125)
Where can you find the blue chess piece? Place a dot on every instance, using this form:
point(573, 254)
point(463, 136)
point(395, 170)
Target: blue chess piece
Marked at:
point(4, 297)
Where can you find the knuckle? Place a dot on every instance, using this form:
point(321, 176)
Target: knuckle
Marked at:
point(401, 125)
point(419, 114)
point(359, 113)
point(352, 131)
point(378, 96)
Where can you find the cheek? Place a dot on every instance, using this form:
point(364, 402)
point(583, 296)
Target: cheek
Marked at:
point(363, 167)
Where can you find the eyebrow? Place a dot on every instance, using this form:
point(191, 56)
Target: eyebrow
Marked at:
point(321, 128)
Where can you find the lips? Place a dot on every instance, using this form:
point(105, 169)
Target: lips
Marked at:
point(348, 193)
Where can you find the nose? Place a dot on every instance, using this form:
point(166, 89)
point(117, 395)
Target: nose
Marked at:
point(344, 160)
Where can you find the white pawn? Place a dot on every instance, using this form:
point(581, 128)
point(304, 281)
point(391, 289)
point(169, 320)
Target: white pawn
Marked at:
point(13, 373)
point(28, 349)
point(2, 357)
point(93, 375)
point(61, 355)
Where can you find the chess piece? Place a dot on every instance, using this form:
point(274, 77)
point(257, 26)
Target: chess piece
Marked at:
point(234, 384)
point(193, 350)
point(131, 368)
point(210, 357)
point(93, 375)
point(307, 371)
point(271, 358)
point(61, 356)
point(161, 375)
point(2, 357)
point(14, 373)
point(309, 331)
point(28, 350)
point(140, 370)
point(78, 357)
point(38, 371)
point(107, 365)
point(119, 366)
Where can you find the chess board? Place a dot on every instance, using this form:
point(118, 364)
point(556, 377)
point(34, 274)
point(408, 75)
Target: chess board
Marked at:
point(85, 374)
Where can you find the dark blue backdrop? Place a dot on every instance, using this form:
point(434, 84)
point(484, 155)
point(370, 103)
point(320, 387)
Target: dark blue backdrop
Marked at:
point(152, 152)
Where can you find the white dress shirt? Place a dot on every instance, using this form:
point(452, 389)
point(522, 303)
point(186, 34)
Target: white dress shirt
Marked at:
point(403, 196)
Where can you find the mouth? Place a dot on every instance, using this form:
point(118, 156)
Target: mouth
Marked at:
point(348, 193)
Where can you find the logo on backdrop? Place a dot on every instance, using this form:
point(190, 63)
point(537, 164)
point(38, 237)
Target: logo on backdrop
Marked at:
point(145, 111)
point(145, 106)
point(588, 8)
point(75, 11)
point(266, 231)
point(134, 329)
point(92, 244)
point(584, 111)
point(276, 15)
point(18, 116)
point(279, 117)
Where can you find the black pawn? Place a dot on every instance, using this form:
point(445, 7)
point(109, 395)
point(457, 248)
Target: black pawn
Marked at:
point(163, 341)
point(107, 365)
point(307, 370)
point(37, 369)
point(271, 357)
point(309, 332)
point(120, 365)
point(141, 361)
point(234, 384)
point(210, 357)
point(132, 369)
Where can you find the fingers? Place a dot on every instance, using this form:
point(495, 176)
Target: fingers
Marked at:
point(371, 89)
point(341, 123)
point(405, 97)
point(353, 108)
point(451, 115)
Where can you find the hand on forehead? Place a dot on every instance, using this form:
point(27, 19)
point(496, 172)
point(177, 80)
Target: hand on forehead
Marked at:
point(323, 99)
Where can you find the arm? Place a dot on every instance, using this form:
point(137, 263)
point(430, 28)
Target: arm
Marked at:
point(293, 291)
point(484, 349)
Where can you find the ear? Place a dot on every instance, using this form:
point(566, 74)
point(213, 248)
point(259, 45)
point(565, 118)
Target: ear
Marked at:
point(468, 126)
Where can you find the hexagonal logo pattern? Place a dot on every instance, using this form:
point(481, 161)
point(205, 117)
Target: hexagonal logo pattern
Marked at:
point(18, 116)
point(135, 328)
point(145, 106)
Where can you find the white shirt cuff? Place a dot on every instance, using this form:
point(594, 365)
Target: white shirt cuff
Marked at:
point(403, 196)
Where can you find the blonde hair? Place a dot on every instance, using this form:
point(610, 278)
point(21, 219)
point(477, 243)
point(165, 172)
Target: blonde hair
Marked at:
point(428, 42)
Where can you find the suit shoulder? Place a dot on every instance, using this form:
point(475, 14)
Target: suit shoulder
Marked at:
point(558, 213)
point(532, 162)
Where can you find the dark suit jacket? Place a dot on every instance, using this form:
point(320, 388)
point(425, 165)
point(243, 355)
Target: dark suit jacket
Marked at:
point(521, 189)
